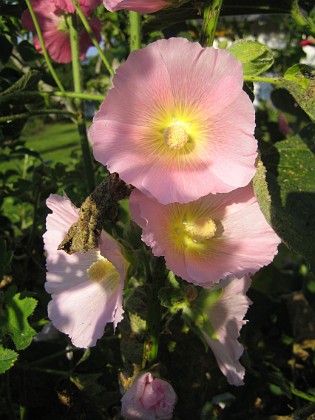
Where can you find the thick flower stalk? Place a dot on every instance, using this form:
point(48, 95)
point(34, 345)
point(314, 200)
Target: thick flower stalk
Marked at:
point(148, 398)
point(216, 237)
point(86, 288)
point(218, 315)
point(177, 124)
point(53, 22)
point(141, 6)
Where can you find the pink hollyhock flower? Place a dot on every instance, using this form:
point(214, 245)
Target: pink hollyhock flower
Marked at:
point(219, 316)
point(88, 6)
point(148, 398)
point(216, 237)
point(141, 6)
point(55, 31)
point(177, 124)
point(86, 288)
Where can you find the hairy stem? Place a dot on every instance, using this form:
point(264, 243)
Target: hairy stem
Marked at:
point(25, 95)
point(134, 31)
point(77, 83)
point(210, 19)
point(93, 38)
point(42, 44)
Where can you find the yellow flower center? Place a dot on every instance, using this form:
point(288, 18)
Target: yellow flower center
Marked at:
point(102, 269)
point(175, 136)
point(202, 230)
point(192, 230)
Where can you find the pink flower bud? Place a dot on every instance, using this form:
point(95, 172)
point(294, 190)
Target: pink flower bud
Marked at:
point(148, 398)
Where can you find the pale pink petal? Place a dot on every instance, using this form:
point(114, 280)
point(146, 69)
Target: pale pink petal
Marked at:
point(80, 306)
point(83, 311)
point(244, 242)
point(226, 317)
point(148, 398)
point(141, 6)
point(169, 81)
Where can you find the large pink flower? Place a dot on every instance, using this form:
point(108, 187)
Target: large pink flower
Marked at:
point(216, 237)
point(88, 6)
point(86, 288)
point(141, 6)
point(55, 31)
point(177, 124)
point(148, 398)
point(219, 317)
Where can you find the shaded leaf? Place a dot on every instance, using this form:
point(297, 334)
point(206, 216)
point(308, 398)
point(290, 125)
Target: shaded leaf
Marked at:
point(14, 318)
point(285, 189)
point(5, 258)
point(7, 359)
point(255, 57)
point(27, 51)
point(5, 50)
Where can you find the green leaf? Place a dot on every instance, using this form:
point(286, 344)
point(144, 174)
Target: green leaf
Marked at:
point(299, 80)
point(255, 57)
point(14, 318)
point(285, 189)
point(7, 359)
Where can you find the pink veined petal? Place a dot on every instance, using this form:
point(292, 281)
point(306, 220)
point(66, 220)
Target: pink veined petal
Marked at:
point(141, 88)
point(56, 38)
point(209, 77)
point(88, 6)
point(141, 6)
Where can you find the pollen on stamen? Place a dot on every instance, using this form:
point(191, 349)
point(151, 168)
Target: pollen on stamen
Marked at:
point(99, 269)
point(201, 231)
point(175, 136)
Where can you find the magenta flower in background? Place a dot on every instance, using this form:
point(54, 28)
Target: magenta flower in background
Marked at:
point(177, 124)
point(55, 31)
point(88, 6)
point(148, 398)
point(86, 288)
point(141, 6)
point(216, 237)
point(219, 317)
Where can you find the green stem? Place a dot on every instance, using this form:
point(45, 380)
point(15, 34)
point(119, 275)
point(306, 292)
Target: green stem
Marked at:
point(273, 80)
point(210, 19)
point(77, 83)
point(134, 31)
point(42, 44)
point(36, 369)
point(31, 114)
point(33, 95)
point(54, 356)
point(155, 280)
point(93, 38)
